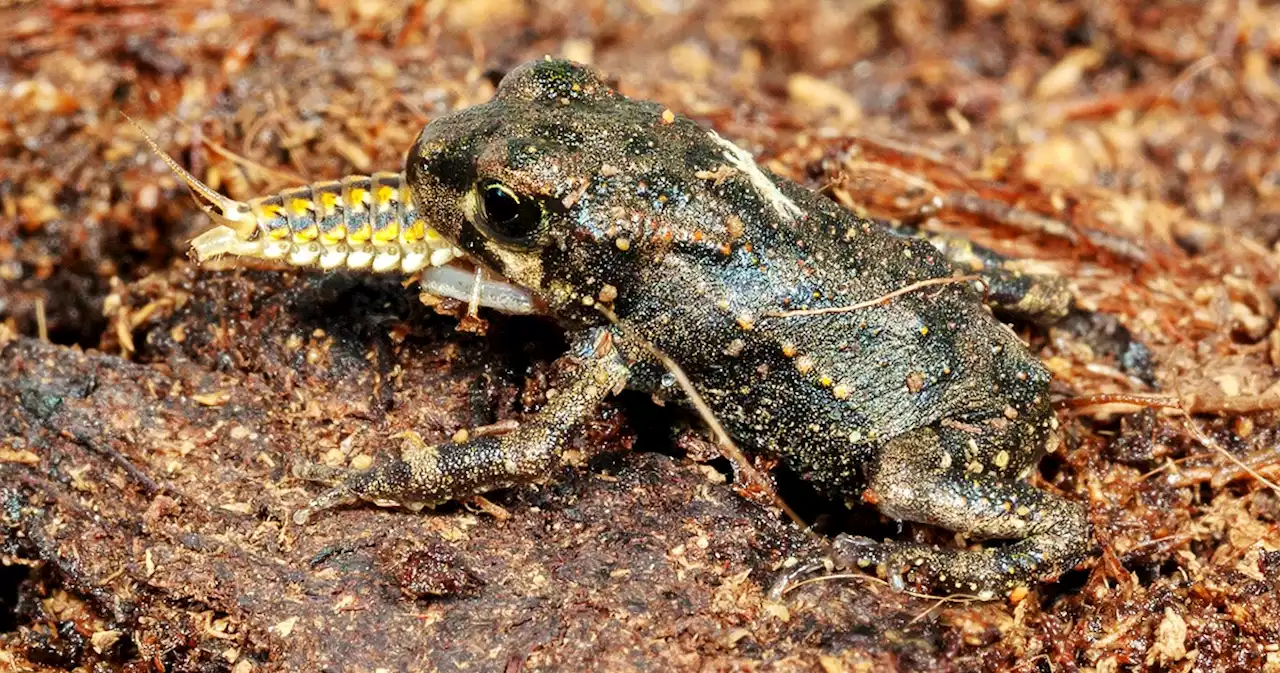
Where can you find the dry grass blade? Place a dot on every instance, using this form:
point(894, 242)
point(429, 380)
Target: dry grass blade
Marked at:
point(953, 598)
point(872, 302)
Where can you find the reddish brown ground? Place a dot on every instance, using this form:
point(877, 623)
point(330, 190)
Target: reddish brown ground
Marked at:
point(149, 411)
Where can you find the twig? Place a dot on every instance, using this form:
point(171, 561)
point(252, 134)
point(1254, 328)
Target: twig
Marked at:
point(105, 449)
point(1180, 537)
point(1193, 405)
point(246, 161)
point(902, 176)
point(42, 322)
point(952, 598)
point(1148, 401)
point(1179, 403)
point(1209, 442)
point(872, 302)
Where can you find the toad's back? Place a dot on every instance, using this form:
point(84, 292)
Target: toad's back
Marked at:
point(822, 390)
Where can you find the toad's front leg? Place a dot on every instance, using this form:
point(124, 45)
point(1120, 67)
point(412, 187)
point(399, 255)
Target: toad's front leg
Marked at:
point(424, 474)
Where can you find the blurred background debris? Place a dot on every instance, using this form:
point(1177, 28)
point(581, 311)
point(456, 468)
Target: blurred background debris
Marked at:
point(149, 410)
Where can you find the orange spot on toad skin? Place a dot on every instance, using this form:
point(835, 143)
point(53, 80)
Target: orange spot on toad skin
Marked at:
point(915, 381)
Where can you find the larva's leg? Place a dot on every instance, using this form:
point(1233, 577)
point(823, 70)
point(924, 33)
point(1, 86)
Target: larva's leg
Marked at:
point(424, 474)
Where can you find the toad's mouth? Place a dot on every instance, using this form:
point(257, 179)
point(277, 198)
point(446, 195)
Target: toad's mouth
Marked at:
point(440, 268)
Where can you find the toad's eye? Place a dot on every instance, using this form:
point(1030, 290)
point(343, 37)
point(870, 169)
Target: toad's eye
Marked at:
point(506, 215)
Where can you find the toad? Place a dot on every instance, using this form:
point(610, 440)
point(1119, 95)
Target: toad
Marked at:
point(858, 355)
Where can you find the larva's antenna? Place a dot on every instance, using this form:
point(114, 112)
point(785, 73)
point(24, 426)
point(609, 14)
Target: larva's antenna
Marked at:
point(225, 211)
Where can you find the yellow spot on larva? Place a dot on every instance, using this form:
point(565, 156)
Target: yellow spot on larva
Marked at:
point(329, 202)
point(334, 235)
point(415, 232)
point(385, 195)
point(307, 234)
point(362, 234)
point(356, 198)
point(388, 233)
point(301, 206)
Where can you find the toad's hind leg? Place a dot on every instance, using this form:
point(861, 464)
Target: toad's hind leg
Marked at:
point(424, 474)
point(917, 478)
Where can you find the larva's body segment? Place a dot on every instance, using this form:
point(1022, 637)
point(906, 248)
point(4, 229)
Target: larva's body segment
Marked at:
point(362, 222)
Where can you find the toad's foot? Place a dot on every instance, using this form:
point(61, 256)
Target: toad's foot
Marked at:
point(432, 474)
point(377, 484)
point(984, 574)
point(915, 480)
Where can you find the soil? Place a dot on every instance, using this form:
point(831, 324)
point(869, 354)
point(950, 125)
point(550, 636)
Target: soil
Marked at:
point(151, 410)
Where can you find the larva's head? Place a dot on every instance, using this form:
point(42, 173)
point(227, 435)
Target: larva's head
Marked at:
point(561, 184)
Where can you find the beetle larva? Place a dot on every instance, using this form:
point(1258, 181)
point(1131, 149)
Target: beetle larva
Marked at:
point(361, 222)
